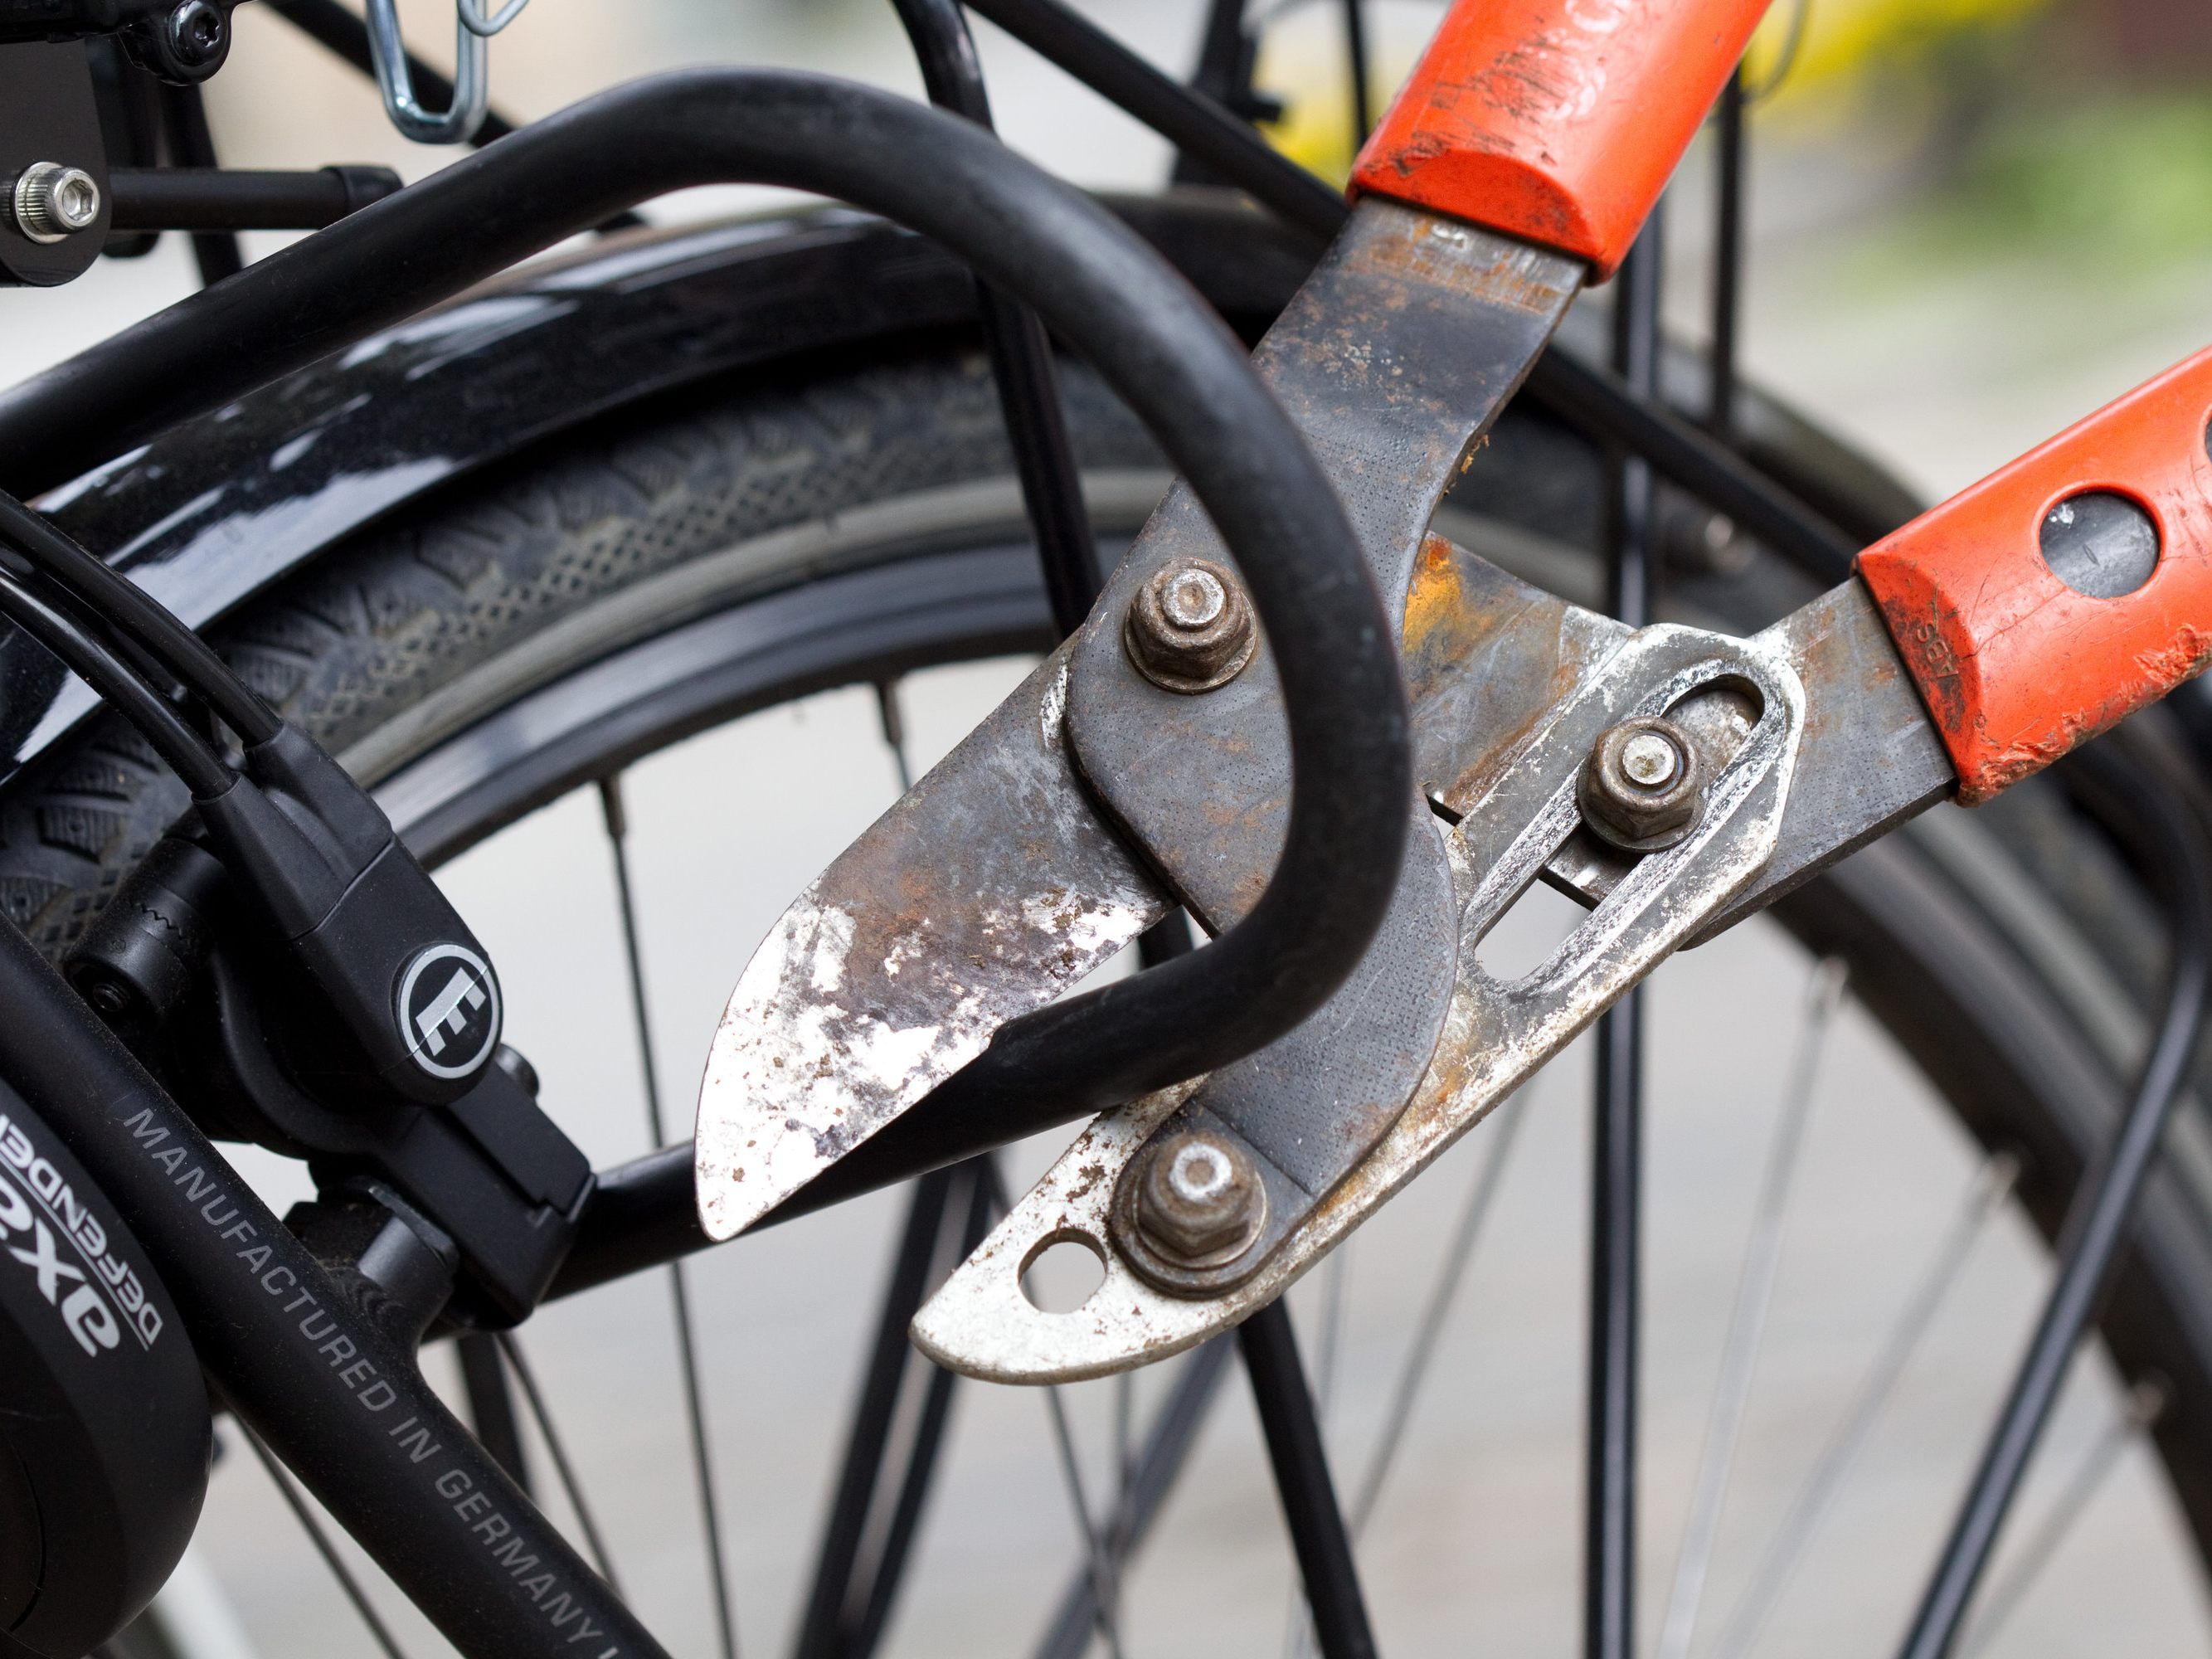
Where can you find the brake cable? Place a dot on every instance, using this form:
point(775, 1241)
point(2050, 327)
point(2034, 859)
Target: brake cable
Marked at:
point(185, 751)
point(354, 909)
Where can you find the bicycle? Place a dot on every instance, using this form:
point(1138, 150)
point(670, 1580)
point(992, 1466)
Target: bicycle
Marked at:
point(477, 742)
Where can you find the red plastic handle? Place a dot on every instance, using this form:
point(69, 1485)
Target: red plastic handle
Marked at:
point(2017, 667)
point(1556, 121)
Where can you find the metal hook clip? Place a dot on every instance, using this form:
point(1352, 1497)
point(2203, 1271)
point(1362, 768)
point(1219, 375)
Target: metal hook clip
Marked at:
point(472, 71)
point(481, 20)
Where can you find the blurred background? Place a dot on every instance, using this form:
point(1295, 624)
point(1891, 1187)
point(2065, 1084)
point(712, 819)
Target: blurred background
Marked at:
point(1971, 221)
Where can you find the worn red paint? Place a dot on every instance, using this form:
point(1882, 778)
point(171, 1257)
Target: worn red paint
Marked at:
point(1556, 121)
point(2016, 667)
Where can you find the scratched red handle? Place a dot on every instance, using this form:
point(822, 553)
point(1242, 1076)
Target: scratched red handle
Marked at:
point(1556, 121)
point(2015, 665)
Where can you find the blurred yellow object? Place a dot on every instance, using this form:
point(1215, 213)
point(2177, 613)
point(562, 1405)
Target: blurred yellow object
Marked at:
point(1843, 38)
point(1302, 56)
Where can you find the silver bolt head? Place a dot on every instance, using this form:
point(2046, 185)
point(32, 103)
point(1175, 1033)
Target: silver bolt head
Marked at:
point(1193, 598)
point(1639, 790)
point(1649, 760)
point(53, 202)
point(1199, 1202)
point(1190, 628)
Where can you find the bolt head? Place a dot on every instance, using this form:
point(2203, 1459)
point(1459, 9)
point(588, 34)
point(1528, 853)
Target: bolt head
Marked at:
point(198, 32)
point(1199, 1202)
point(1650, 761)
point(1639, 789)
point(53, 202)
point(1190, 628)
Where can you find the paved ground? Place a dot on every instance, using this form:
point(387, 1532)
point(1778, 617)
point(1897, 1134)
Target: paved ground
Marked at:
point(1473, 1544)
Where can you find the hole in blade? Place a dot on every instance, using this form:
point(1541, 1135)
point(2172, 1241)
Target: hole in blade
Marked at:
point(1063, 1272)
point(1522, 940)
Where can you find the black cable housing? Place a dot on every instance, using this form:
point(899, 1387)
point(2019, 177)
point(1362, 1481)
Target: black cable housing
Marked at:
point(84, 654)
point(323, 1384)
point(133, 611)
point(1116, 303)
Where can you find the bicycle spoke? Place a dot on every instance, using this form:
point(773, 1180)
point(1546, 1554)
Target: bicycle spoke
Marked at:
point(928, 1439)
point(1452, 1273)
point(1616, 1153)
point(321, 1540)
point(491, 1404)
point(1125, 1435)
point(511, 1350)
point(1298, 1628)
point(616, 820)
point(1318, 1536)
point(1103, 1588)
point(1747, 1321)
point(1728, 259)
point(1992, 1185)
point(1167, 1445)
point(893, 720)
point(2146, 1403)
point(1355, 55)
point(2103, 1203)
point(864, 1548)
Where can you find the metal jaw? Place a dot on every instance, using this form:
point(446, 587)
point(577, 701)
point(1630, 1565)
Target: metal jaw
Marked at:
point(1496, 1034)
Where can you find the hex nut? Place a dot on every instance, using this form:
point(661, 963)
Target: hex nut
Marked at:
point(1189, 627)
point(1199, 1202)
point(1639, 789)
point(53, 202)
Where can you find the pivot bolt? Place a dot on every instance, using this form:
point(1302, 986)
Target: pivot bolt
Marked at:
point(53, 202)
point(1190, 627)
point(1199, 1202)
point(1639, 790)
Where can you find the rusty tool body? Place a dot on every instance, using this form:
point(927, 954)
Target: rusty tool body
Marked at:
point(1672, 779)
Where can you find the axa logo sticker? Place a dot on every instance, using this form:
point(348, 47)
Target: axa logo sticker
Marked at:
point(97, 1293)
point(449, 1010)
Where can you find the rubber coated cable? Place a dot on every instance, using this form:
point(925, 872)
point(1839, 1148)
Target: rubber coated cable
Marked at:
point(137, 613)
point(1109, 296)
point(185, 751)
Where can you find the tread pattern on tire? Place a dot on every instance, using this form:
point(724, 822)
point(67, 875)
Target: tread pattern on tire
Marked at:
point(376, 623)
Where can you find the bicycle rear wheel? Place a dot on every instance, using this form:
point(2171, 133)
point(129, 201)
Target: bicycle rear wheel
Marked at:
point(717, 568)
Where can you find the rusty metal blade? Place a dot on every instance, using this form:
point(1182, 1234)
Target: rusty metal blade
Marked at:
point(1497, 1035)
point(985, 892)
point(997, 883)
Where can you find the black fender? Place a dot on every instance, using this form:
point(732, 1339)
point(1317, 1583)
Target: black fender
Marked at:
point(216, 509)
point(219, 507)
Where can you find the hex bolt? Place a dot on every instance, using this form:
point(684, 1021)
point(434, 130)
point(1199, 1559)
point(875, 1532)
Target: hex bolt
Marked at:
point(53, 202)
point(1639, 789)
point(1199, 1202)
point(1190, 628)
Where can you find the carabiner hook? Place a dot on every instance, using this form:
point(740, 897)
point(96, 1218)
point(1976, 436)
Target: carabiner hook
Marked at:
point(481, 21)
point(471, 72)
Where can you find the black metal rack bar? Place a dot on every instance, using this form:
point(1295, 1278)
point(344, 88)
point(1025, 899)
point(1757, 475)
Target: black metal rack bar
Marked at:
point(2160, 797)
point(1318, 1535)
point(233, 199)
point(1616, 1151)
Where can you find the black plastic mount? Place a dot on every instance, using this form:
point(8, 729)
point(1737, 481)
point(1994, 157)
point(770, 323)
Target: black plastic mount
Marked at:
point(182, 969)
